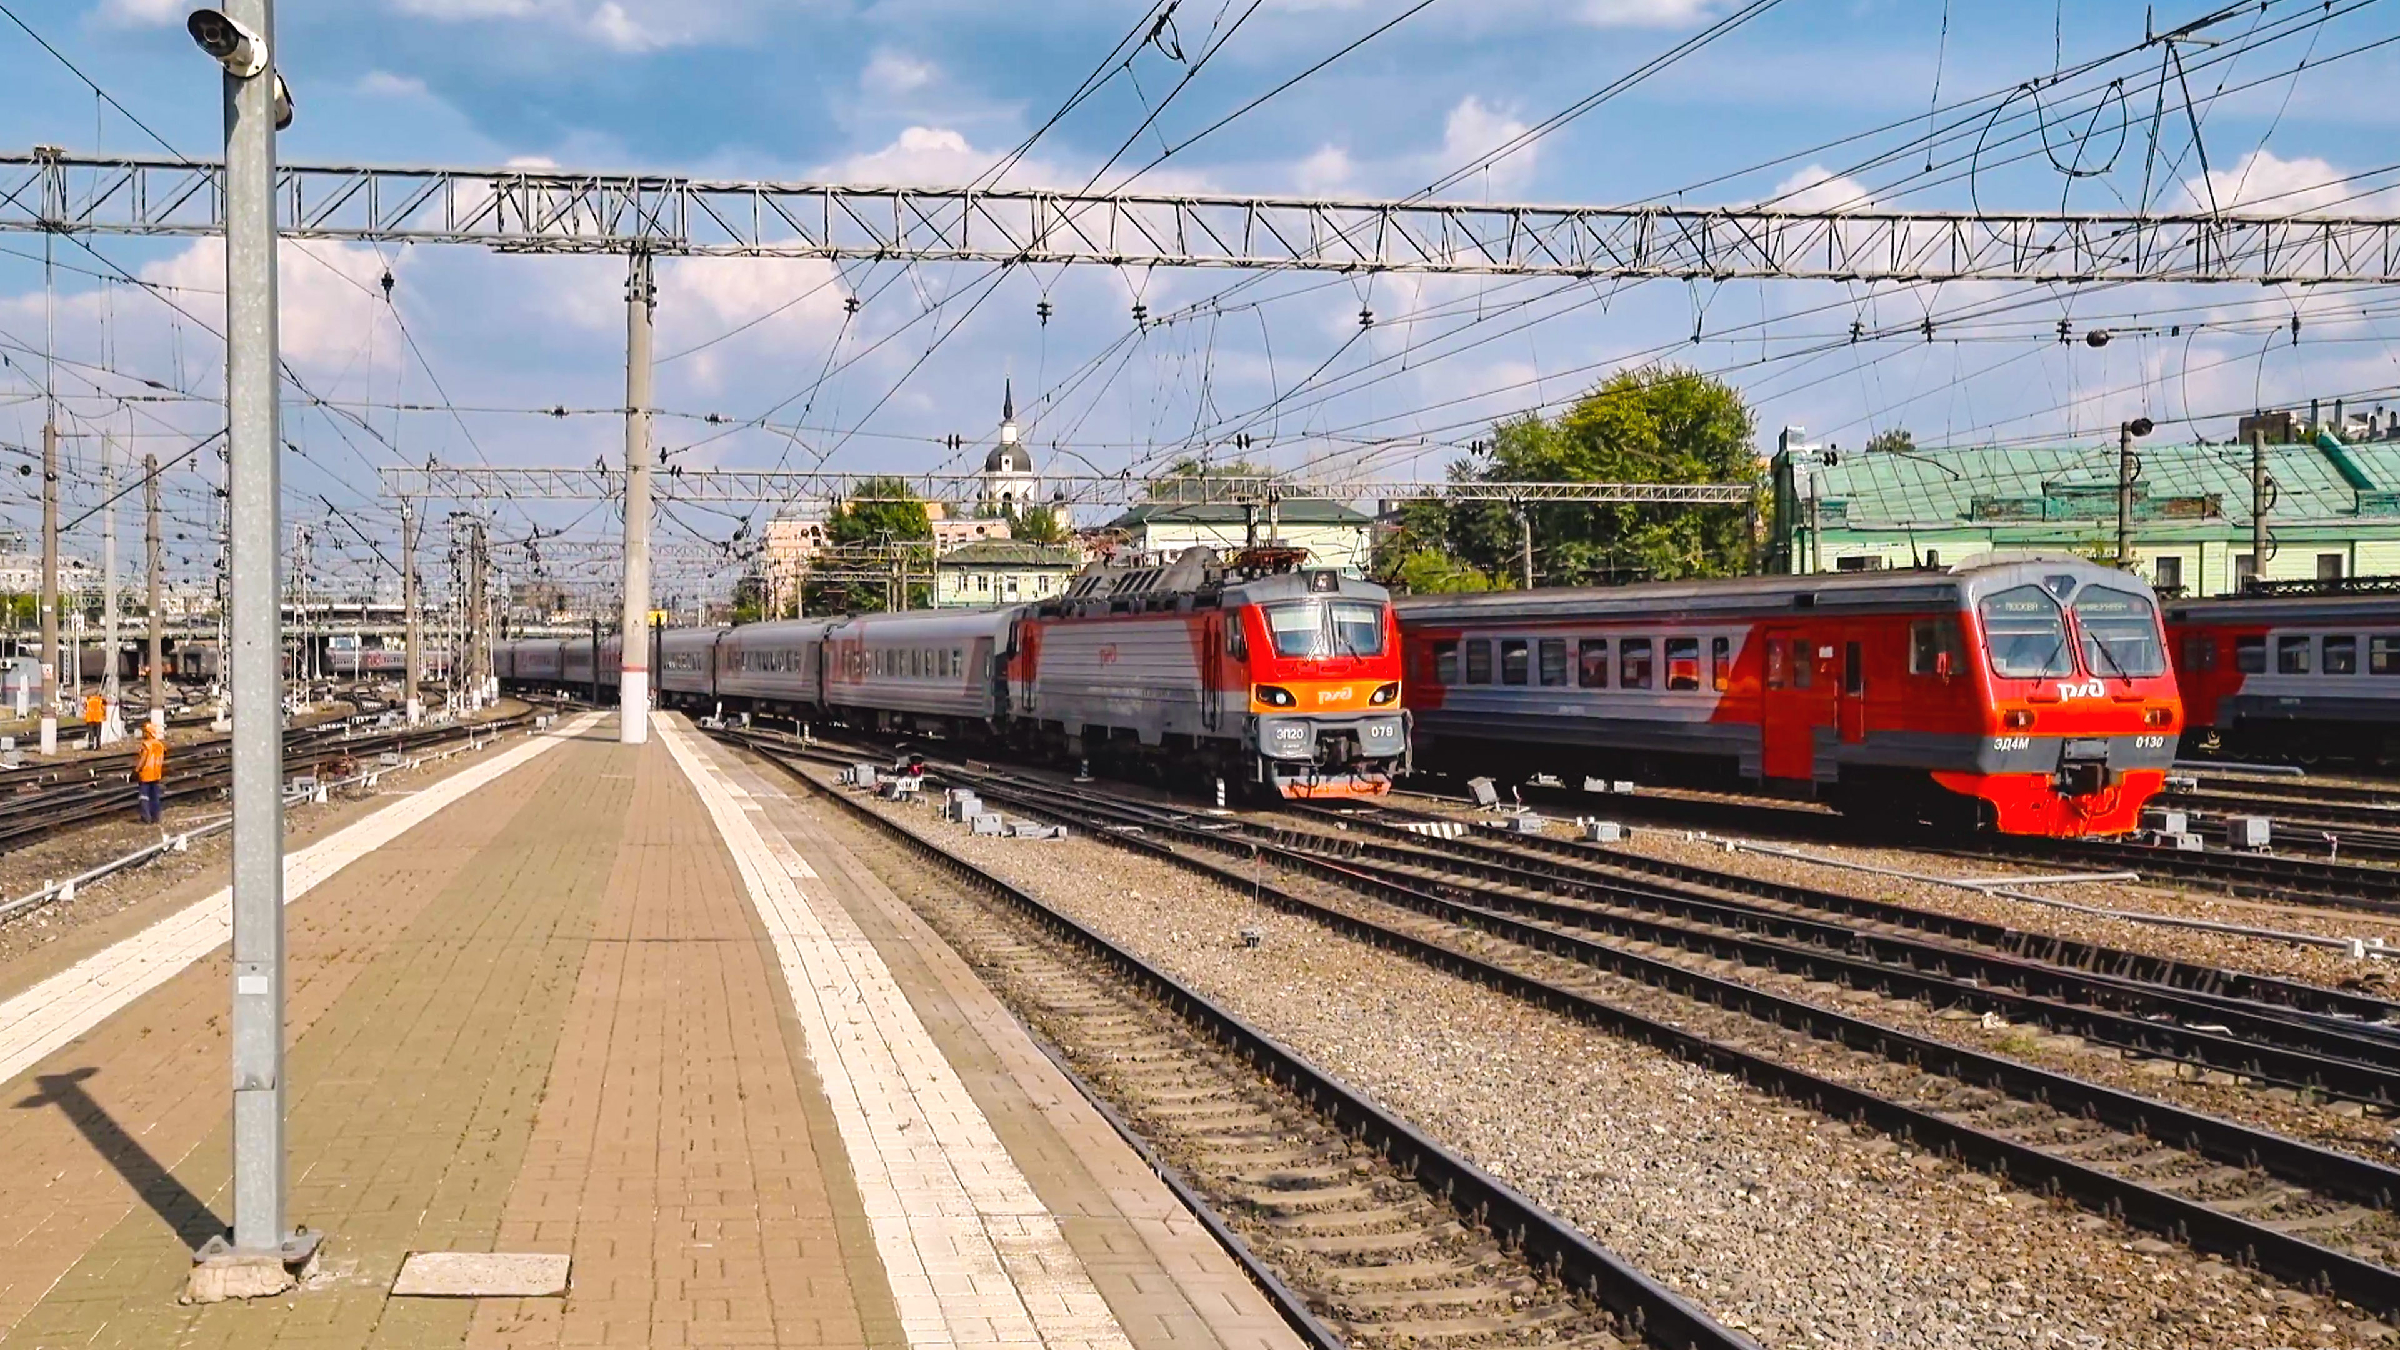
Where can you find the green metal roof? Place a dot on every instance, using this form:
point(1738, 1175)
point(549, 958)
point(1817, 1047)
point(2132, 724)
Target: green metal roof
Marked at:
point(1992, 486)
point(1008, 553)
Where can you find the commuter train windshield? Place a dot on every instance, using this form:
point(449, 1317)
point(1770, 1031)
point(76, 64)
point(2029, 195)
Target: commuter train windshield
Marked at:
point(2120, 633)
point(2027, 634)
point(1342, 628)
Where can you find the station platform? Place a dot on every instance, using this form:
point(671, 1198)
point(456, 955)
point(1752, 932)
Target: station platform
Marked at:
point(634, 1005)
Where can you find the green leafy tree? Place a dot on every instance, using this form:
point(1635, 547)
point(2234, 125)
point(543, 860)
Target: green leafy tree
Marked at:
point(1038, 524)
point(1894, 440)
point(866, 542)
point(750, 597)
point(1429, 571)
point(1640, 426)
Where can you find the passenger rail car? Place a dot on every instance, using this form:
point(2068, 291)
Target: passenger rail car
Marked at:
point(2305, 677)
point(2027, 693)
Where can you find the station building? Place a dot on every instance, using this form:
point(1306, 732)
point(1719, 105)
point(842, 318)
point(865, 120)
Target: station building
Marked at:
point(2333, 512)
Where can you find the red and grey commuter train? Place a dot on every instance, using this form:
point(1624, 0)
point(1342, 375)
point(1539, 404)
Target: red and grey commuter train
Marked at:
point(2027, 693)
point(2305, 677)
point(1252, 668)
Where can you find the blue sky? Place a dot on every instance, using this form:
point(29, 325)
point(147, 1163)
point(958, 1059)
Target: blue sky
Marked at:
point(934, 90)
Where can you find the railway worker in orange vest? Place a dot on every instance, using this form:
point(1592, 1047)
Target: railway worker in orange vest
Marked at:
point(95, 713)
point(150, 770)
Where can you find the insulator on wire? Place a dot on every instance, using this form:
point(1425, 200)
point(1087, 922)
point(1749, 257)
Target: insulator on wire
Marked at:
point(1366, 317)
point(1042, 311)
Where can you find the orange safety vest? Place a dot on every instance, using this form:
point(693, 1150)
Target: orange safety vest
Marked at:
point(151, 766)
point(95, 709)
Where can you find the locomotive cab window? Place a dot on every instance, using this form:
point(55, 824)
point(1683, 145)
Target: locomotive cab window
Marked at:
point(1683, 663)
point(1445, 663)
point(1930, 640)
point(2250, 655)
point(1357, 628)
point(2120, 633)
point(1299, 630)
point(2383, 654)
point(2341, 654)
point(1512, 660)
point(1720, 663)
point(2291, 655)
point(2026, 633)
point(1479, 661)
point(1591, 660)
point(1554, 661)
point(1633, 663)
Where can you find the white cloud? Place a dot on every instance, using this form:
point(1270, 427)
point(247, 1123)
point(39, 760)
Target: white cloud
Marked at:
point(1327, 171)
point(456, 10)
point(631, 26)
point(530, 162)
point(892, 72)
point(920, 156)
point(1644, 13)
point(785, 303)
point(327, 295)
point(2267, 183)
point(1817, 188)
point(615, 28)
point(384, 84)
point(141, 13)
point(1475, 129)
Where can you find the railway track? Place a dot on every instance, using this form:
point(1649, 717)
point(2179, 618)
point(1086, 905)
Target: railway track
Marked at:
point(33, 811)
point(1365, 1230)
point(2315, 1217)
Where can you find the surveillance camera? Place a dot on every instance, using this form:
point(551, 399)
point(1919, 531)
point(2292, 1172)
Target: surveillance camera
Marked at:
point(2140, 426)
point(242, 52)
point(283, 106)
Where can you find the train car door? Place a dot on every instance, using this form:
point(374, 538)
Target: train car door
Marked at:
point(1787, 740)
point(1212, 672)
point(1851, 701)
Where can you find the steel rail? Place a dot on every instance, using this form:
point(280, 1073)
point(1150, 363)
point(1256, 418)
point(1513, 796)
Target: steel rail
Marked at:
point(1658, 1314)
point(2328, 1062)
point(2289, 1257)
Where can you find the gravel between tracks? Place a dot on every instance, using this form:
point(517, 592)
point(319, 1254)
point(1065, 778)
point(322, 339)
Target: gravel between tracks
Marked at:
point(1775, 1218)
point(2264, 956)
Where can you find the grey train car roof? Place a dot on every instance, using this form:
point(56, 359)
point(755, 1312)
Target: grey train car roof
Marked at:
point(2289, 610)
point(1819, 593)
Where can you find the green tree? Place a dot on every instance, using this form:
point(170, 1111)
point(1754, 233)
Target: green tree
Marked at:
point(1429, 571)
point(1038, 524)
point(868, 541)
point(750, 597)
point(1896, 440)
point(1640, 426)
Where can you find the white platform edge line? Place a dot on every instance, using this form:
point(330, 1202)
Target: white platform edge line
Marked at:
point(942, 1216)
point(56, 1010)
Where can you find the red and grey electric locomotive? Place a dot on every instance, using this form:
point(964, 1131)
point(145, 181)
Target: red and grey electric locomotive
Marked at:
point(2027, 693)
point(1254, 668)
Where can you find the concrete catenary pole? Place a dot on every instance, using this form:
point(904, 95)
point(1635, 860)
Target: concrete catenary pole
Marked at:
point(51, 655)
point(253, 439)
point(155, 540)
point(2125, 495)
point(2261, 501)
point(110, 693)
point(408, 607)
point(633, 668)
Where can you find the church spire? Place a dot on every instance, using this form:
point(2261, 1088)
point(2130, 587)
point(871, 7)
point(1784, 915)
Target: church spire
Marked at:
point(1008, 412)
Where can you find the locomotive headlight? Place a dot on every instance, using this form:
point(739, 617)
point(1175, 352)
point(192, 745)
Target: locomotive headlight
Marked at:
point(1274, 696)
point(2018, 718)
point(2159, 717)
point(1385, 693)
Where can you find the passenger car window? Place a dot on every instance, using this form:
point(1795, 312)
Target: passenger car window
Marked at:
point(2291, 655)
point(2120, 633)
point(1720, 664)
point(1512, 660)
point(2383, 654)
point(1592, 659)
point(1479, 661)
point(2341, 655)
point(2026, 633)
point(1778, 666)
point(1445, 663)
point(1633, 663)
point(1683, 663)
point(1929, 640)
point(1554, 661)
point(2250, 655)
point(1804, 665)
point(2199, 652)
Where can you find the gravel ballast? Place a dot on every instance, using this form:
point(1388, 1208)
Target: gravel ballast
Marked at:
point(1791, 1225)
